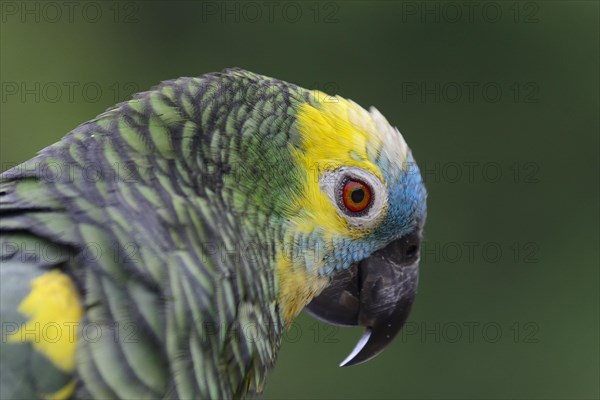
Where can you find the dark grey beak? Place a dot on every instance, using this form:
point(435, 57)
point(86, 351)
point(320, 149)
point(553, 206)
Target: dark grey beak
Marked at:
point(376, 293)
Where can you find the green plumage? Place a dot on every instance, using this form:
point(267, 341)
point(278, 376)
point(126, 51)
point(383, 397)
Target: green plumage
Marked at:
point(157, 207)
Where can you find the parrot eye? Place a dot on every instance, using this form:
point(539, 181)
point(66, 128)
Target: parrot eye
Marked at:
point(356, 196)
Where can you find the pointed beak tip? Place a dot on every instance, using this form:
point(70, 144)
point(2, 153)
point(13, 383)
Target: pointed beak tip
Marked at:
point(376, 293)
point(352, 358)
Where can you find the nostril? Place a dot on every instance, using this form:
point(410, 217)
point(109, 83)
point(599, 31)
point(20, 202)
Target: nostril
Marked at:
point(412, 250)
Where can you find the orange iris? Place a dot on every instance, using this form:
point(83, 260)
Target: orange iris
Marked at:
point(356, 196)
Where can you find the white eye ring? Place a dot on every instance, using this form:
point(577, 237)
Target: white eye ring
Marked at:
point(332, 182)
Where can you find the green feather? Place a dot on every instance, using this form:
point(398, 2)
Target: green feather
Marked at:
point(166, 187)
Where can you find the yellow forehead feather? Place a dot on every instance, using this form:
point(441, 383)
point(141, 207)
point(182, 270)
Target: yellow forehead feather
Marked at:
point(336, 134)
point(340, 132)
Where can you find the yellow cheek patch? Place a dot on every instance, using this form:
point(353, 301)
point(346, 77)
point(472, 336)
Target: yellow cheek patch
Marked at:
point(54, 312)
point(296, 288)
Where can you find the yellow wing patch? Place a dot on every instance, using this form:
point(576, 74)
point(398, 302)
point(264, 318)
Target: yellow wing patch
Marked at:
point(63, 393)
point(54, 312)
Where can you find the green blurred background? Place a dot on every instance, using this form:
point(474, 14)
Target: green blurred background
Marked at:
point(499, 102)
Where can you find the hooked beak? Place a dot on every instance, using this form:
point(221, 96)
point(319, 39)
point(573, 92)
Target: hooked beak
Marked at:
point(376, 293)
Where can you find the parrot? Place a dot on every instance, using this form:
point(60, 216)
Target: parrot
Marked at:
point(162, 249)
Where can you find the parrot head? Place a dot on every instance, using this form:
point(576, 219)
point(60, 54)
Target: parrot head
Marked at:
point(354, 209)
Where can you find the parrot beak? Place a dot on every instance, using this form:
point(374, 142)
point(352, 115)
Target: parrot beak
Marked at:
point(376, 293)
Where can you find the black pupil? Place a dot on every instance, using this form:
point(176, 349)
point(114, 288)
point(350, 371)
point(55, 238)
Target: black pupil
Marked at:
point(358, 195)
